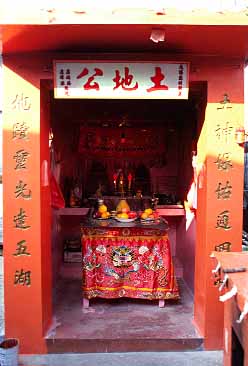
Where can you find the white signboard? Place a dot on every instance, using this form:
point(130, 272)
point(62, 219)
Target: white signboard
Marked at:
point(121, 80)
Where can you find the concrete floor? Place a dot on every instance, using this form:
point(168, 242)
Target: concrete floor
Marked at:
point(203, 358)
point(104, 312)
point(121, 325)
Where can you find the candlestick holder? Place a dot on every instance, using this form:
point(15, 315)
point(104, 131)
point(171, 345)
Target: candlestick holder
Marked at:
point(154, 203)
point(115, 176)
point(129, 178)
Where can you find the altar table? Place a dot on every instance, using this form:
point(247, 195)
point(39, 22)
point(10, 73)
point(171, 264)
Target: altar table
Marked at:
point(127, 260)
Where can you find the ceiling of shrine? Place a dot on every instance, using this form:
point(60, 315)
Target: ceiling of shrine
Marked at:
point(223, 40)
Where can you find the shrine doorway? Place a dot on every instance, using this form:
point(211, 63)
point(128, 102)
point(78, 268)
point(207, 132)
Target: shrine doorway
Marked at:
point(170, 172)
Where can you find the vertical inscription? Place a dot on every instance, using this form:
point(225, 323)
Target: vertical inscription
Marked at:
point(20, 138)
point(223, 133)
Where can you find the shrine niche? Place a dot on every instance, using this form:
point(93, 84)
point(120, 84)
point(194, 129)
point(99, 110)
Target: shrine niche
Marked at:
point(121, 142)
point(112, 152)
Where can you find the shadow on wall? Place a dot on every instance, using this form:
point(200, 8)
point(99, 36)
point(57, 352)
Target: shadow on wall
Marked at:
point(187, 256)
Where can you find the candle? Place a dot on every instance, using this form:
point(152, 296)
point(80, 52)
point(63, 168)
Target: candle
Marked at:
point(115, 179)
point(129, 177)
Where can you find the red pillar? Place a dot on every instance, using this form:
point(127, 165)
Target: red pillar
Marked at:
point(220, 194)
point(27, 262)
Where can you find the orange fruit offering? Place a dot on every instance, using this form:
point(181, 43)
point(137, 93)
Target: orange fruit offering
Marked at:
point(148, 211)
point(144, 215)
point(102, 208)
point(105, 215)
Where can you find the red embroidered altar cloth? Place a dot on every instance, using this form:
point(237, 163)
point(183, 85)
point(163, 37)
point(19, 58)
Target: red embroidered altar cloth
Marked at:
point(130, 262)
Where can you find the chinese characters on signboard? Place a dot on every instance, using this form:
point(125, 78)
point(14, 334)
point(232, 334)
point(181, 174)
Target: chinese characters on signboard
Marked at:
point(21, 219)
point(78, 79)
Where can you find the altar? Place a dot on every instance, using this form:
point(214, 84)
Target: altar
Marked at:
point(127, 260)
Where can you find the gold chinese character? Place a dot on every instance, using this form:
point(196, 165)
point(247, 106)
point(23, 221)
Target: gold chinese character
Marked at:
point(224, 162)
point(224, 192)
point(22, 191)
point(21, 249)
point(19, 220)
point(21, 103)
point(218, 132)
point(224, 133)
point(223, 220)
point(225, 103)
point(227, 132)
point(20, 131)
point(22, 278)
point(223, 247)
point(21, 159)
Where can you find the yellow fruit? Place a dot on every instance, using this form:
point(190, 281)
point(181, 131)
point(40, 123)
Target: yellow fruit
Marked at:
point(105, 215)
point(124, 215)
point(144, 215)
point(148, 211)
point(102, 208)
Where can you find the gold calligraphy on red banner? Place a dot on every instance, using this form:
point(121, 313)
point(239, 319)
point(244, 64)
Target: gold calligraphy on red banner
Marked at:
point(20, 138)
